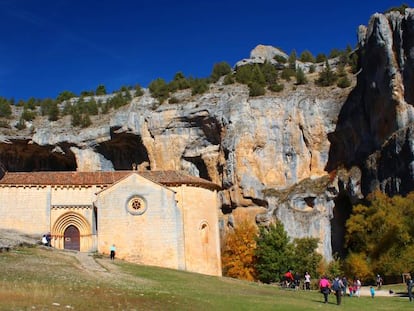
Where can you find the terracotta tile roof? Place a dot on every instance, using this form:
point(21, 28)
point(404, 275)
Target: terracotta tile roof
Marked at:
point(167, 178)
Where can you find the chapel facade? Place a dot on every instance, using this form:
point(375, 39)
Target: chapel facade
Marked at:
point(160, 218)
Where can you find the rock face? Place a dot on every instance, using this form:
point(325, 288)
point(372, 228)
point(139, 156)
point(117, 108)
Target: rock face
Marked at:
point(375, 126)
point(244, 144)
point(303, 155)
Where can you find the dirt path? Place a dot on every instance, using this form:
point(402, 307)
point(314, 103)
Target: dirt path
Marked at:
point(383, 293)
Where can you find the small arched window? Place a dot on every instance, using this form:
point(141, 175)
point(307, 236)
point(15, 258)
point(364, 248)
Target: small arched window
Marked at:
point(204, 232)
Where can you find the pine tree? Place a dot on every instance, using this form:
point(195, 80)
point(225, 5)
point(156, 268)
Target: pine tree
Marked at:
point(274, 256)
point(326, 77)
point(300, 77)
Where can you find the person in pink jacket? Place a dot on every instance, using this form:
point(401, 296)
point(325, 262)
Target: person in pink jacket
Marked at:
point(325, 288)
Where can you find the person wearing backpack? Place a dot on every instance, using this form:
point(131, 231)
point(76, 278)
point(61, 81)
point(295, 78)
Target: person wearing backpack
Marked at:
point(337, 286)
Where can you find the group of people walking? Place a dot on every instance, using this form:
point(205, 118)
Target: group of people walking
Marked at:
point(339, 287)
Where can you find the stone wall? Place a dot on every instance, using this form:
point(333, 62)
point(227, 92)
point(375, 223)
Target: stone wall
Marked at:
point(152, 234)
point(200, 212)
point(25, 209)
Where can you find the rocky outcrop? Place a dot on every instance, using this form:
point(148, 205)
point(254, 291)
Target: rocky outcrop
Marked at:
point(303, 155)
point(244, 144)
point(374, 129)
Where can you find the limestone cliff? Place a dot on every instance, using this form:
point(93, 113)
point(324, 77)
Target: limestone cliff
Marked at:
point(375, 126)
point(303, 155)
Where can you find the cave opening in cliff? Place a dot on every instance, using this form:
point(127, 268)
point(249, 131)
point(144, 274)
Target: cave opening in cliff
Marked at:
point(125, 150)
point(341, 213)
point(22, 156)
point(200, 165)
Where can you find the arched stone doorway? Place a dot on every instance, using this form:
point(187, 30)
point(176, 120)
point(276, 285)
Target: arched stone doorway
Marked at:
point(72, 238)
point(72, 231)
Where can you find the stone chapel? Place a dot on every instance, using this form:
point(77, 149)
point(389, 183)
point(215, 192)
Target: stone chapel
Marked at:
point(160, 218)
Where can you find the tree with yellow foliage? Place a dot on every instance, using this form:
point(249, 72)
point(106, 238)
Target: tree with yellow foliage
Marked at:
point(381, 234)
point(238, 257)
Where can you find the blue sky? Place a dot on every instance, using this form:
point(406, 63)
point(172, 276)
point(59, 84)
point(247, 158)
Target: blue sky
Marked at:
point(51, 46)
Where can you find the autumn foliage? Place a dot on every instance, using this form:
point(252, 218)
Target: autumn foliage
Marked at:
point(238, 258)
point(380, 235)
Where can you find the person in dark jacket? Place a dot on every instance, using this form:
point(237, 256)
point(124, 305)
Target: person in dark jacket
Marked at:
point(337, 286)
point(410, 285)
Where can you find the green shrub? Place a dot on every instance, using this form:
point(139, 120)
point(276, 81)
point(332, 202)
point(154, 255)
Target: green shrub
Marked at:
point(31, 103)
point(276, 87)
point(228, 79)
point(87, 93)
point(179, 82)
point(28, 115)
point(53, 112)
point(76, 118)
point(117, 101)
point(159, 89)
point(91, 107)
point(326, 77)
point(4, 124)
point(219, 70)
point(300, 77)
point(256, 89)
point(138, 90)
point(244, 74)
point(280, 59)
point(292, 60)
point(21, 125)
point(312, 68)
point(344, 82)
point(400, 9)
point(334, 53)
point(199, 86)
point(5, 108)
point(173, 100)
point(307, 57)
point(100, 90)
point(65, 95)
point(269, 72)
point(287, 74)
point(105, 107)
point(85, 120)
point(320, 58)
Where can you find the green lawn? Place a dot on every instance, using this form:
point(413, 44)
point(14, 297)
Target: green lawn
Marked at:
point(39, 279)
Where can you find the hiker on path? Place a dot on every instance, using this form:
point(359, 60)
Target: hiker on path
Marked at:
point(325, 288)
point(372, 291)
point(345, 282)
point(112, 250)
point(410, 285)
point(379, 281)
point(307, 280)
point(357, 287)
point(337, 287)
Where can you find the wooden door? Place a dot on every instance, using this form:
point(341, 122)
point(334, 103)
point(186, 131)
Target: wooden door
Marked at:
point(72, 238)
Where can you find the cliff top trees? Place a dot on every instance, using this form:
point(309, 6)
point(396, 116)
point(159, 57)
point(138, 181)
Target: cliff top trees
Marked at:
point(219, 70)
point(5, 109)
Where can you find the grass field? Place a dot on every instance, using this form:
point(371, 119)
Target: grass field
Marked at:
point(45, 279)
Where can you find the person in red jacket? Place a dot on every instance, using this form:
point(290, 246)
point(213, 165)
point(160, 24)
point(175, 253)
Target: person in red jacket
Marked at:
point(288, 278)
